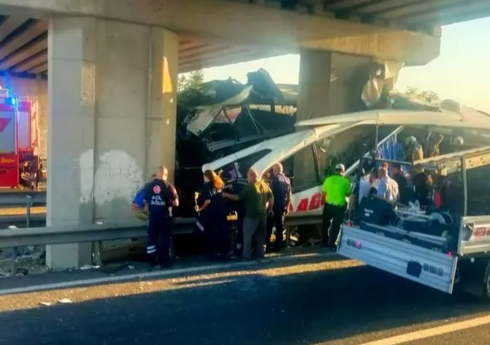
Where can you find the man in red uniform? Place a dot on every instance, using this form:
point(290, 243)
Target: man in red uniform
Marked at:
point(160, 197)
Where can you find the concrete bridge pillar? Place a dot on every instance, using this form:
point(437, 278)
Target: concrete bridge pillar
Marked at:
point(112, 112)
point(329, 84)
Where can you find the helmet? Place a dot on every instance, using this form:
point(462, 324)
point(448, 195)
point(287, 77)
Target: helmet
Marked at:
point(340, 168)
point(411, 140)
point(458, 140)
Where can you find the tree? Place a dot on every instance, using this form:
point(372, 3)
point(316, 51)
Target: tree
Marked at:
point(427, 96)
point(190, 80)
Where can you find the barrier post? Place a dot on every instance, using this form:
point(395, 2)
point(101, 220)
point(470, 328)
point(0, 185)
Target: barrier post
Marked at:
point(28, 210)
point(97, 253)
point(14, 261)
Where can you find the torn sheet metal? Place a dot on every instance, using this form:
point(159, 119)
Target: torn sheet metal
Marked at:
point(206, 114)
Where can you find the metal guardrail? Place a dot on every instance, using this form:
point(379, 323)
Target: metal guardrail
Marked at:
point(22, 219)
point(62, 235)
point(104, 232)
point(13, 238)
point(22, 199)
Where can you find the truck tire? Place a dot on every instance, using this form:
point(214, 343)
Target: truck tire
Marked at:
point(475, 277)
point(486, 284)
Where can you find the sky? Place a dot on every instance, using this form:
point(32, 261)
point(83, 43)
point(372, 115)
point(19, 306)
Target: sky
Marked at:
point(461, 72)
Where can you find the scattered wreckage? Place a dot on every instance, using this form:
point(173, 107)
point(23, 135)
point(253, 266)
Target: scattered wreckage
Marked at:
point(222, 117)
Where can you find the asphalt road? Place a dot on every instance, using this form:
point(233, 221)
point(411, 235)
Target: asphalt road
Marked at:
point(308, 300)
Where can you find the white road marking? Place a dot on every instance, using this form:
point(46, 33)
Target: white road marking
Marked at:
point(432, 332)
point(141, 275)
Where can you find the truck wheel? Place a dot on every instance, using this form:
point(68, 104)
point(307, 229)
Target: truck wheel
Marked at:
point(486, 284)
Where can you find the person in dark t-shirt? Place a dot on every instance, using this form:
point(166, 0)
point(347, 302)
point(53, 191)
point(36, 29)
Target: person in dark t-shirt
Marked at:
point(403, 186)
point(160, 197)
point(281, 190)
point(213, 213)
point(259, 201)
point(423, 188)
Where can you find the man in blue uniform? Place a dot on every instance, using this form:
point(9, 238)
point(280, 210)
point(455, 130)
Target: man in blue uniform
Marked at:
point(281, 190)
point(160, 197)
point(139, 208)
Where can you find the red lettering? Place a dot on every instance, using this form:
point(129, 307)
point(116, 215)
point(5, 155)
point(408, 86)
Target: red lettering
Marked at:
point(316, 201)
point(479, 234)
point(303, 205)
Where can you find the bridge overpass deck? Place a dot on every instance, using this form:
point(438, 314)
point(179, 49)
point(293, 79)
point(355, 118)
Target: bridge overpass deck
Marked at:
point(24, 41)
point(416, 15)
point(24, 49)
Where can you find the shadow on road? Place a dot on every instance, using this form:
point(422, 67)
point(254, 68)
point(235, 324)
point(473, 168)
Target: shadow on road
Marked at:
point(273, 304)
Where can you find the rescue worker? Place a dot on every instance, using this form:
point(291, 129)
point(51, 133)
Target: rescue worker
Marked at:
point(388, 188)
point(160, 197)
point(453, 145)
point(366, 184)
point(363, 188)
point(413, 150)
point(403, 186)
point(281, 190)
point(259, 201)
point(336, 188)
point(432, 148)
point(213, 213)
point(236, 187)
point(138, 205)
point(423, 187)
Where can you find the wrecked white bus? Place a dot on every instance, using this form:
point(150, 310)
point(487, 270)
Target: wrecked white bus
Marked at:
point(320, 143)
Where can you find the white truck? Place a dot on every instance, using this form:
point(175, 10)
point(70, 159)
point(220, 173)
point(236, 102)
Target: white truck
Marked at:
point(435, 249)
point(318, 143)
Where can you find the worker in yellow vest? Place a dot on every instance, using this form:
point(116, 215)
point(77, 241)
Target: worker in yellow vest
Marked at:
point(336, 189)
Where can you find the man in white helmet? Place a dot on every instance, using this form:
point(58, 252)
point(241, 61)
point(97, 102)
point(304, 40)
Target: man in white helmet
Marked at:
point(413, 150)
point(453, 145)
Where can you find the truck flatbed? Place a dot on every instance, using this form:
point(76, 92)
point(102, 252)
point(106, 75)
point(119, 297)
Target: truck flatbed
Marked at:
point(436, 258)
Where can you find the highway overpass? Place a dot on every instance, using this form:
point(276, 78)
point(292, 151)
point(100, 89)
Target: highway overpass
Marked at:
point(24, 40)
point(112, 69)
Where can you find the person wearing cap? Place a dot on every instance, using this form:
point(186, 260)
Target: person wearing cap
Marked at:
point(259, 202)
point(336, 189)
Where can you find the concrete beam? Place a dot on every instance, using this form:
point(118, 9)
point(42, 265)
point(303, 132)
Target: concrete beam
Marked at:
point(439, 16)
point(25, 52)
point(35, 60)
point(226, 57)
point(10, 25)
point(36, 29)
point(39, 69)
point(249, 23)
